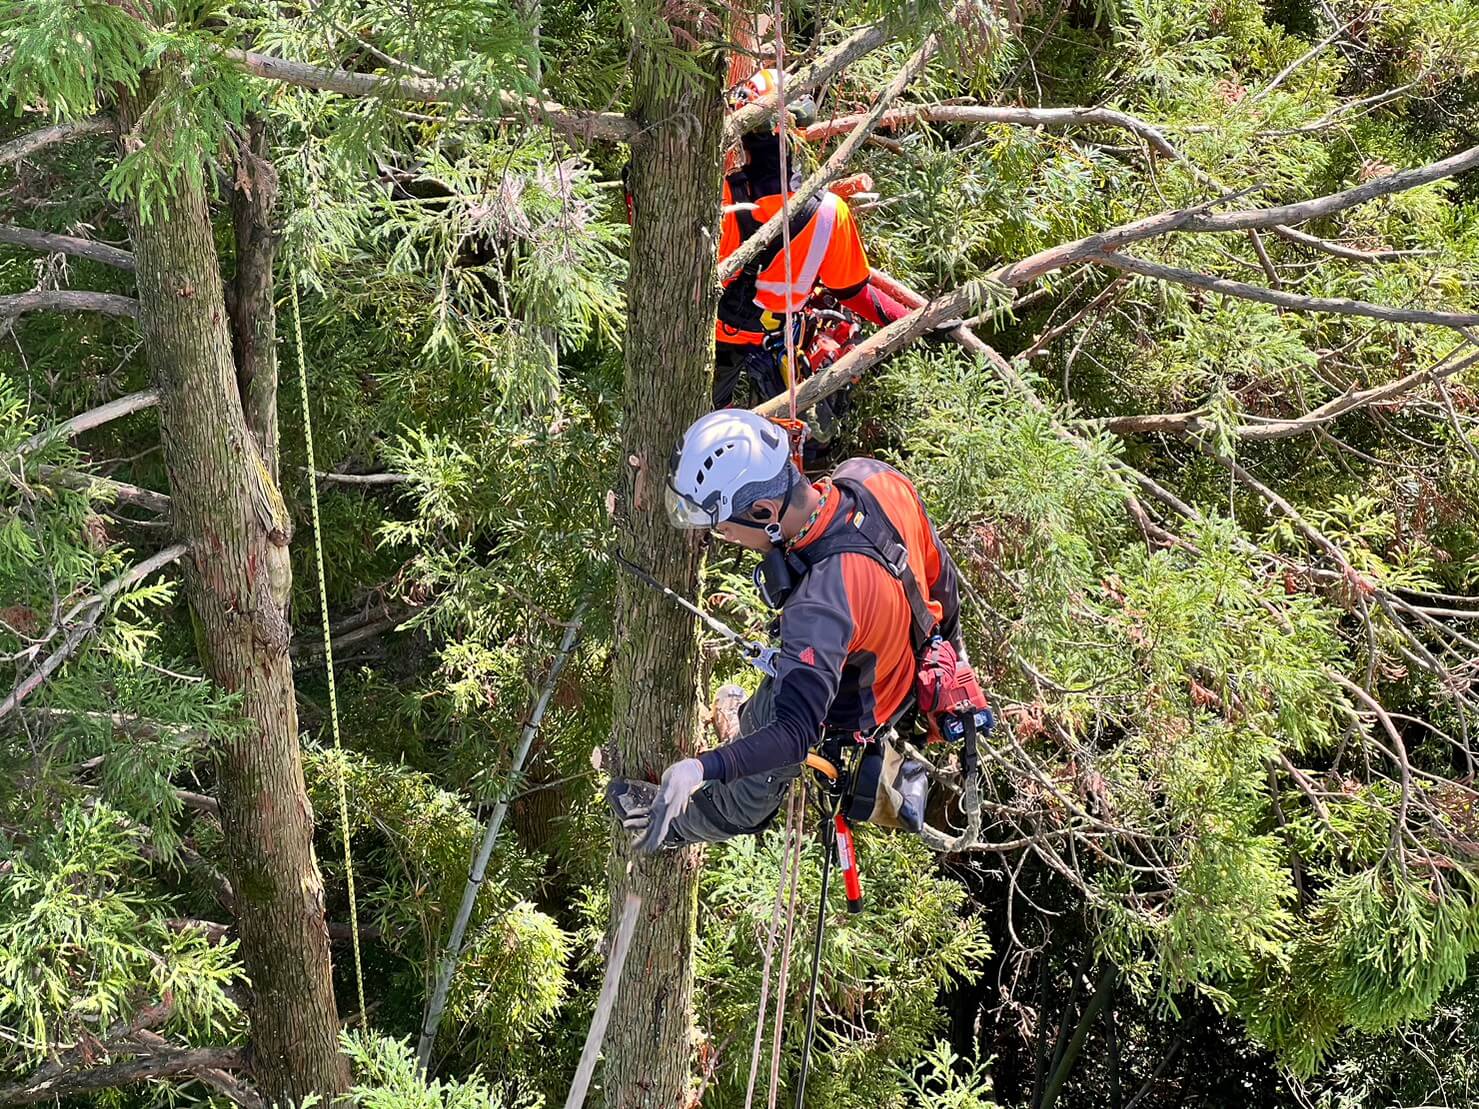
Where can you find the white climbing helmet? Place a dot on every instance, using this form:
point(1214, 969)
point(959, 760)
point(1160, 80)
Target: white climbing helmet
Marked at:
point(719, 455)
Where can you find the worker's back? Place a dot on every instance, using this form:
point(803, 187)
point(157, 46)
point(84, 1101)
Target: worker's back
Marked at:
point(878, 672)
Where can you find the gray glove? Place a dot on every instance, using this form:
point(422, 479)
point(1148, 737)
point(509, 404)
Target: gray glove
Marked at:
point(679, 782)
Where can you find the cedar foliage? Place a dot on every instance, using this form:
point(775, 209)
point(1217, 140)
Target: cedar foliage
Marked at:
point(1228, 844)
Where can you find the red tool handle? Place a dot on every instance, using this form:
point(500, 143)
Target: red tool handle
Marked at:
point(847, 862)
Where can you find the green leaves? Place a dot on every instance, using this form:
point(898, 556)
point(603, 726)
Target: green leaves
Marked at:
point(81, 948)
point(66, 53)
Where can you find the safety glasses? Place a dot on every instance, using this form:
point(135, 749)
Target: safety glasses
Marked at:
point(684, 512)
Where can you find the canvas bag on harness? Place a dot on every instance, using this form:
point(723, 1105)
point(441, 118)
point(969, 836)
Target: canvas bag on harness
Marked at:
point(889, 789)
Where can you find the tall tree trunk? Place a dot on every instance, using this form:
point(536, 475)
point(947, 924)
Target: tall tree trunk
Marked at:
point(253, 311)
point(237, 580)
point(669, 369)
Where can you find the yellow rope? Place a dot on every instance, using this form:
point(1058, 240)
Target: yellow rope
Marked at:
point(323, 607)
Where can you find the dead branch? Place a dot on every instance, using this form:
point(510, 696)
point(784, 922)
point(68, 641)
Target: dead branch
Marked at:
point(165, 1063)
point(750, 249)
point(1190, 423)
point(1040, 345)
point(67, 300)
point(121, 491)
point(1079, 117)
point(92, 418)
point(88, 613)
point(1340, 250)
point(573, 123)
point(362, 479)
point(1341, 306)
point(902, 332)
point(48, 243)
point(1307, 210)
point(26, 145)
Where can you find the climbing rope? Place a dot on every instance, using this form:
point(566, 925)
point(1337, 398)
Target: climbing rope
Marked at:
point(795, 814)
point(795, 846)
point(323, 608)
point(783, 130)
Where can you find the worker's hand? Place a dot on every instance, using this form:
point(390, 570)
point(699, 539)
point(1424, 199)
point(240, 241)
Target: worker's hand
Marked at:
point(679, 782)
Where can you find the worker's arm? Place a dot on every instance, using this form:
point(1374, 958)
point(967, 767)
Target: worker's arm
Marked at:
point(871, 303)
point(816, 632)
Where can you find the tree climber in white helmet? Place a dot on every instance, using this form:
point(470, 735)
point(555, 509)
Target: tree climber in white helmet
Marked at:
point(863, 585)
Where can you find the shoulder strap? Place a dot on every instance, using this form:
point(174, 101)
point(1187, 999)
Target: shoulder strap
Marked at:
point(868, 531)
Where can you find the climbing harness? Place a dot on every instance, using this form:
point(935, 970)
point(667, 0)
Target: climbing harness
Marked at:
point(323, 609)
point(757, 654)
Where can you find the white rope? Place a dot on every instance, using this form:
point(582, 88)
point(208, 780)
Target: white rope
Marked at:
point(775, 924)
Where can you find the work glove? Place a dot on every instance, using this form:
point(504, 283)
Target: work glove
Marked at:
point(679, 782)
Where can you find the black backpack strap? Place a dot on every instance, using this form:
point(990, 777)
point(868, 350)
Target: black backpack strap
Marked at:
point(868, 530)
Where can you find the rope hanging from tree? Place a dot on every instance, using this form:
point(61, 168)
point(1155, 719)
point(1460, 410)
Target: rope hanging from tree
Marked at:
point(323, 608)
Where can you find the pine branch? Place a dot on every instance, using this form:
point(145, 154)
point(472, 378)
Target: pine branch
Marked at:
point(66, 244)
point(1191, 423)
point(809, 78)
point(26, 145)
point(1080, 117)
point(92, 418)
point(573, 123)
point(902, 332)
point(67, 300)
point(166, 1063)
point(750, 249)
point(1341, 306)
point(88, 613)
point(121, 491)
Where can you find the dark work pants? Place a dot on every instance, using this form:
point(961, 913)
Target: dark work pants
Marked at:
point(720, 810)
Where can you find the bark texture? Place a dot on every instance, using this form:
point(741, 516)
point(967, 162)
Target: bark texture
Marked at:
point(226, 506)
point(253, 311)
point(669, 367)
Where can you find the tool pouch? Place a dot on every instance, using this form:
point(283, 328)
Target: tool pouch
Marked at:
point(888, 789)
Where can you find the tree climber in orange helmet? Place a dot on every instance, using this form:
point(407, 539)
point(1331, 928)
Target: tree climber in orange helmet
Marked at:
point(826, 252)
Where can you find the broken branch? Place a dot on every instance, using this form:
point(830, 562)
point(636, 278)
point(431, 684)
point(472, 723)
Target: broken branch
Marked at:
point(26, 145)
point(573, 123)
point(46, 242)
point(1341, 306)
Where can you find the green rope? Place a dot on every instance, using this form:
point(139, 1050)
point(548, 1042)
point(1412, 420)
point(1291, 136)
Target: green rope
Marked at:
point(323, 606)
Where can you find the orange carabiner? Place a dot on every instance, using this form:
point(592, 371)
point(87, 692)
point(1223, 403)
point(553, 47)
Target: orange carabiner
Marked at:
point(796, 431)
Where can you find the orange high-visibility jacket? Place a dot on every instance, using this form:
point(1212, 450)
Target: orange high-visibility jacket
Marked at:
point(828, 251)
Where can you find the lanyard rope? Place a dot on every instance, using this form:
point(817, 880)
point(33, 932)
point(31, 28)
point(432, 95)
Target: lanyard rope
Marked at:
point(782, 140)
point(323, 608)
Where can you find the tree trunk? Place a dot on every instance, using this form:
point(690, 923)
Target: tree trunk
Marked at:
point(253, 311)
point(226, 506)
point(669, 369)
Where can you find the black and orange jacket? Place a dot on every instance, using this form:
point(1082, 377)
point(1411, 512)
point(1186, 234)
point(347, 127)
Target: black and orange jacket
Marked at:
point(846, 661)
